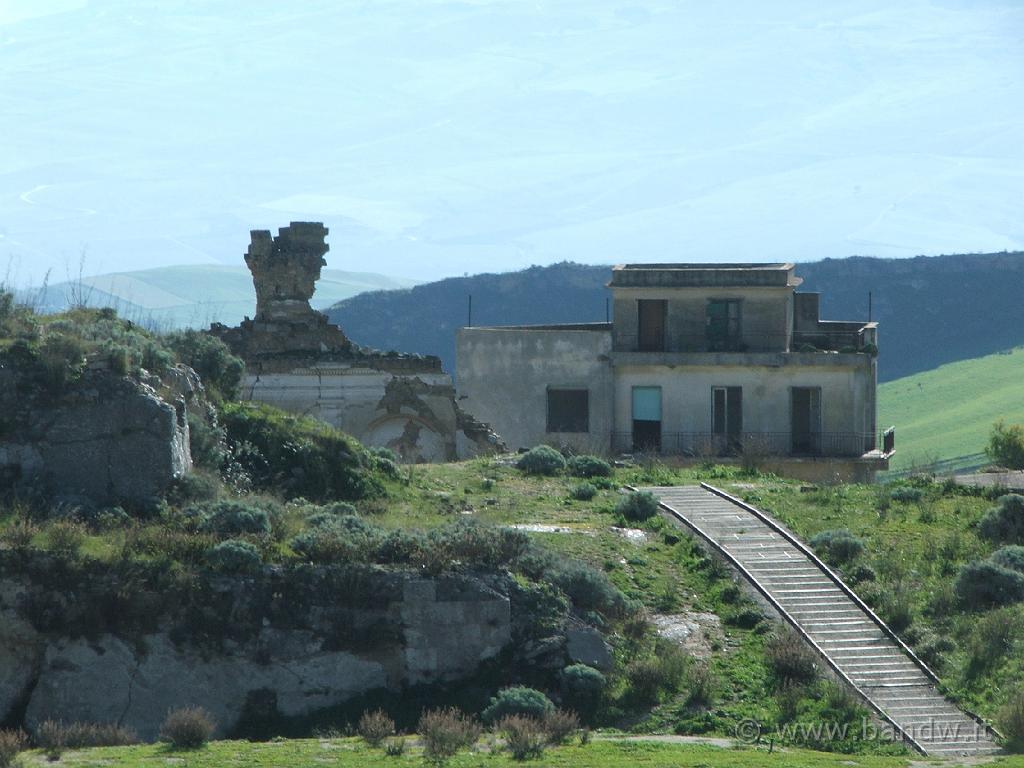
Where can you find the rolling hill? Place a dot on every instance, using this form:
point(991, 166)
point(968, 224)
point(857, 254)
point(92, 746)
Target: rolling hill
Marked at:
point(931, 310)
point(191, 295)
point(948, 412)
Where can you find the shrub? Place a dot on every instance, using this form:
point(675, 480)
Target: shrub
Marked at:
point(1011, 557)
point(332, 539)
point(582, 683)
point(1006, 445)
point(220, 371)
point(790, 659)
point(524, 736)
point(470, 541)
point(897, 611)
point(560, 725)
point(983, 584)
point(65, 537)
point(906, 494)
point(1011, 721)
point(54, 737)
point(339, 509)
point(837, 547)
point(583, 491)
point(1004, 522)
point(232, 518)
point(394, 747)
point(588, 466)
point(375, 726)
point(541, 460)
point(187, 728)
point(701, 684)
point(637, 506)
point(18, 534)
point(861, 573)
point(645, 682)
point(11, 743)
point(588, 589)
point(192, 487)
point(517, 700)
point(234, 556)
point(445, 731)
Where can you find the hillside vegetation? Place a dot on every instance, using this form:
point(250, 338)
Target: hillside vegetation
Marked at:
point(931, 310)
point(949, 412)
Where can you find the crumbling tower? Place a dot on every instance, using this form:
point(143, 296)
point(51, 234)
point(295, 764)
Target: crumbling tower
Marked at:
point(285, 270)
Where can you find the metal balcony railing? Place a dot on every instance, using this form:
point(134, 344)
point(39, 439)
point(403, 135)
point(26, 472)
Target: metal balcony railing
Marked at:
point(817, 341)
point(710, 445)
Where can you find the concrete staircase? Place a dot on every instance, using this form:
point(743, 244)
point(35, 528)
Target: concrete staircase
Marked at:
point(854, 642)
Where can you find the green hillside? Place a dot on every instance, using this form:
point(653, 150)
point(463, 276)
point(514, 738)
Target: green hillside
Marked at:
point(948, 412)
point(193, 295)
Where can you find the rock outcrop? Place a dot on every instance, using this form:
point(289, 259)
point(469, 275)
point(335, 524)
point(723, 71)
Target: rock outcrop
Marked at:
point(108, 438)
point(288, 643)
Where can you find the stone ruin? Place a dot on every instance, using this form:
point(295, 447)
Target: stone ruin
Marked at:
point(296, 359)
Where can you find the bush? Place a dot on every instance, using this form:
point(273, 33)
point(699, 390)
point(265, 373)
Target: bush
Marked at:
point(583, 491)
point(11, 743)
point(983, 584)
point(701, 685)
point(992, 638)
point(193, 487)
point(588, 589)
point(1006, 445)
point(480, 544)
point(18, 534)
point(220, 371)
point(906, 494)
point(637, 506)
point(187, 728)
point(861, 573)
point(54, 737)
point(234, 556)
point(1011, 721)
point(559, 726)
point(332, 539)
point(65, 537)
point(394, 747)
point(445, 731)
point(790, 659)
point(588, 466)
point(375, 726)
point(518, 700)
point(298, 455)
point(524, 736)
point(1004, 522)
point(663, 672)
point(582, 683)
point(229, 517)
point(1011, 557)
point(541, 460)
point(837, 547)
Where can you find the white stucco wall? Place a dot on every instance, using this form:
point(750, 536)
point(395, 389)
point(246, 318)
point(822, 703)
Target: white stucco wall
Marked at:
point(503, 376)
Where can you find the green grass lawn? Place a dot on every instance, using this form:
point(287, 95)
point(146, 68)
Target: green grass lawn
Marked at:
point(949, 411)
point(352, 753)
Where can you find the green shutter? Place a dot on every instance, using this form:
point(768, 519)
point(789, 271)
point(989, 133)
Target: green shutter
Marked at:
point(646, 403)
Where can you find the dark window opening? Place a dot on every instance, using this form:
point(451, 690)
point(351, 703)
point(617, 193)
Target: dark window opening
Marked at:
point(724, 328)
point(727, 417)
point(568, 410)
point(651, 324)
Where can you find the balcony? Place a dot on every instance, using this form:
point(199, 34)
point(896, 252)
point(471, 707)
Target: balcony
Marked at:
point(708, 445)
point(847, 338)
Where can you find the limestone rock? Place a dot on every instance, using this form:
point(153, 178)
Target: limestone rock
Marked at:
point(587, 646)
point(21, 650)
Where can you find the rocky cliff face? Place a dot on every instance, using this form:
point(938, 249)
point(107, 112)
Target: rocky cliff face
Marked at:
point(108, 438)
point(285, 645)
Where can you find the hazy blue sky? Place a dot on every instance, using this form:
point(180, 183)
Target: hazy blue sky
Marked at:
point(436, 138)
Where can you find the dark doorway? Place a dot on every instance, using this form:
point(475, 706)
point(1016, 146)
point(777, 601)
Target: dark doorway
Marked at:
point(724, 333)
point(727, 417)
point(647, 419)
point(806, 420)
point(651, 315)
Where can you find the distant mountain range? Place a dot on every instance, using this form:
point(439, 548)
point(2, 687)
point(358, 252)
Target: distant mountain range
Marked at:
point(931, 310)
point(191, 295)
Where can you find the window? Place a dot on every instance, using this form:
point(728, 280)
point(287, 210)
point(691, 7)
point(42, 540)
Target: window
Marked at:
point(727, 410)
point(724, 329)
point(647, 419)
point(568, 410)
point(651, 324)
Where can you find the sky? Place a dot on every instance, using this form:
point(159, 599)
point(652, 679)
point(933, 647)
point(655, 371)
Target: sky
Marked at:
point(439, 138)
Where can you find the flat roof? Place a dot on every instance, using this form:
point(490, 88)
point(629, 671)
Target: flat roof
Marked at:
point(695, 274)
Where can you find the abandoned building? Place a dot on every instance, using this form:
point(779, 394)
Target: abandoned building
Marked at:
point(699, 361)
point(297, 360)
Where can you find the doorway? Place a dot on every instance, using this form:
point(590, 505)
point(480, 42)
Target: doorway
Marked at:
point(647, 419)
point(806, 420)
point(727, 418)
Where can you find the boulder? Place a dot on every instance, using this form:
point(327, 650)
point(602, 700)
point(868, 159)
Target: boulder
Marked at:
point(586, 645)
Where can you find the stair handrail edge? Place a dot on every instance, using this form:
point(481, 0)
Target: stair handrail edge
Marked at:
point(848, 591)
point(787, 617)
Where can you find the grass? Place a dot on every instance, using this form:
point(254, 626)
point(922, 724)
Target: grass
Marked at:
point(949, 411)
point(352, 753)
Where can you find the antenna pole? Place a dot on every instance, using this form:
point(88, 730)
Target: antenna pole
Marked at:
point(469, 312)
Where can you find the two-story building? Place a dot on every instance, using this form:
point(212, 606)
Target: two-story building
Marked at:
point(699, 361)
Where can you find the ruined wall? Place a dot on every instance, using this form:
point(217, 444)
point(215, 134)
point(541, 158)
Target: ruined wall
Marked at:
point(296, 360)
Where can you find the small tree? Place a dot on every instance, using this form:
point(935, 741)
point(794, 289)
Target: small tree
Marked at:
point(1006, 445)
